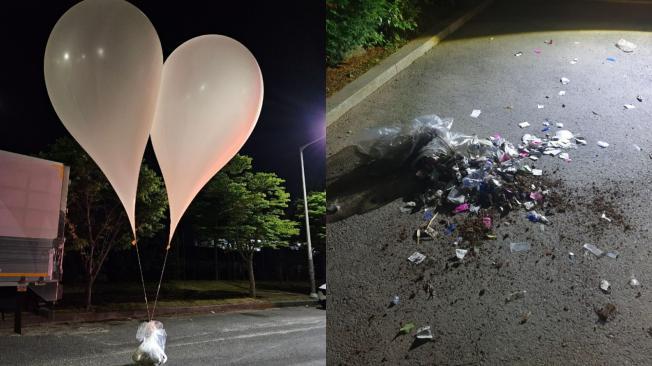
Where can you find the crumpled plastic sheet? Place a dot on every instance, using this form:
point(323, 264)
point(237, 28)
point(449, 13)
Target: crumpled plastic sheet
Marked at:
point(395, 144)
point(151, 351)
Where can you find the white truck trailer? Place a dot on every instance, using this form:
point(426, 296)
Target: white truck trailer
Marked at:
point(33, 195)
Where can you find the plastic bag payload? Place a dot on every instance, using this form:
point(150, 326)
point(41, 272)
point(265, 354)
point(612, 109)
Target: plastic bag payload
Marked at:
point(151, 351)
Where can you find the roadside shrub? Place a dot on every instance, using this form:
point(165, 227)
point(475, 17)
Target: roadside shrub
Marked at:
point(362, 23)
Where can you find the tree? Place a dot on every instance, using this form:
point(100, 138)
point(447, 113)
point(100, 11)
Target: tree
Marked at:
point(244, 211)
point(96, 222)
point(316, 215)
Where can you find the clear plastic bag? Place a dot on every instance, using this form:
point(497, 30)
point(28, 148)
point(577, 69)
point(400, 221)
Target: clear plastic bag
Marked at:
point(395, 144)
point(151, 351)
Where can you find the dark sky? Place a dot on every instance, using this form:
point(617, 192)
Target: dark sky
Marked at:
point(286, 37)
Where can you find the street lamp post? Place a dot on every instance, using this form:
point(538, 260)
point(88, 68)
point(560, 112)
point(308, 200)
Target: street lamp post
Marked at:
point(311, 266)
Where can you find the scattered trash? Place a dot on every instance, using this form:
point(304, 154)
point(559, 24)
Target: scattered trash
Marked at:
point(559, 125)
point(475, 113)
point(548, 42)
point(449, 229)
point(637, 147)
point(486, 221)
point(603, 144)
point(151, 351)
point(593, 249)
point(416, 258)
point(529, 205)
point(633, 282)
point(604, 217)
point(408, 207)
point(613, 254)
point(395, 300)
point(460, 253)
point(424, 332)
point(461, 208)
point(605, 286)
point(639, 98)
point(629, 106)
point(573, 61)
point(571, 256)
point(564, 156)
point(407, 328)
point(524, 317)
point(524, 124)
point(611, 59)
point(565, 80)
point(519, 247)
point(515, 296)
point(540, 106)
point(537, 172)
point(607, 312)
point(533, 216)
point(537, 196)
point(518, 54)
point(625, 46)
point(562, 92)
point(537, 51)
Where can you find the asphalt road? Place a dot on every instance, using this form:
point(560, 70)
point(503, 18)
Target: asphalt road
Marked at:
point(471, 322)
point(288, 336)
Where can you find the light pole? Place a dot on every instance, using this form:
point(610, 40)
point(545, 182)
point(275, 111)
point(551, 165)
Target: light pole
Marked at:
point(311, 266)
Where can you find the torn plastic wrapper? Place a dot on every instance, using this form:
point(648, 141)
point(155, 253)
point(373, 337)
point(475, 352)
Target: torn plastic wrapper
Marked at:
point(593, 249)
point(151, 351)
point(416, 258)
point(625, 45)
point(424, 332)
point(519, 247)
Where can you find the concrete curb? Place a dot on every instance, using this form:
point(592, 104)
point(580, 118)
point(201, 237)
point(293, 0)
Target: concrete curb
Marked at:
point(362, 87)
point(79, 317)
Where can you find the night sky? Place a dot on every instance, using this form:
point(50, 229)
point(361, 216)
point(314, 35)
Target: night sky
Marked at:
point(286, 37)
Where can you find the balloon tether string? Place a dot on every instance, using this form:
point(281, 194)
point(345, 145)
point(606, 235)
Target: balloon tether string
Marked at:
point(167, 250)
point(142, 279)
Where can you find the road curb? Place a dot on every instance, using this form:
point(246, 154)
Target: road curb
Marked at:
point(359, 89)
point(83, 317)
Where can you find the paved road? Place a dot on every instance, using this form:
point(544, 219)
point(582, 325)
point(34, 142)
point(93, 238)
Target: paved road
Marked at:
point(471, 322)
point(289, 336)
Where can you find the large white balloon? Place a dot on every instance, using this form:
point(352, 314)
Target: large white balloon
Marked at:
point(210, 99)
point(103, 65)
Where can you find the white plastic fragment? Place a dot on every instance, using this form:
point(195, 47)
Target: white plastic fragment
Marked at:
point(564, 156)
point(553, 152)
point(625, 46)
point(533, 157)
point(517, 54)
point(540, 106)
point(537, 172)
point(580, 140)
point(529, 205)
point(559, 125)
point(515, 295)
point(524, 124)
point(460, 253)
point(545, 123)
point(573, 61)
point(519, 247)
point(637, 147)
point(629, 106)
point(634, 282)
point(613, 254)
point(571, 256)
point(564, 80)
point(416, 258)
point(603, 144)
point(562, 92)
point(604, 217)
point(605, 286)
point(475, 113)
point(593, 249)
point(424, 332)
point(395, 300)
point(408, 207)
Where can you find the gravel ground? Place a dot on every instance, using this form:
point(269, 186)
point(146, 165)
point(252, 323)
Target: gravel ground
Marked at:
point(471, 321)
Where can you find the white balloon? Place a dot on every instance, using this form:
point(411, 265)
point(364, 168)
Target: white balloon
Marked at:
point(103, 65)
point(210, 99)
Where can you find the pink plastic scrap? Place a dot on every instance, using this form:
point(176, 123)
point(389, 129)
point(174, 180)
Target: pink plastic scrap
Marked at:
point(487, 222)
point(461, 208)
point(537, 50)
point(537, 196)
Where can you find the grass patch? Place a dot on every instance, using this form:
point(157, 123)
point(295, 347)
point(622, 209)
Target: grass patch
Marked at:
point(129, 295)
